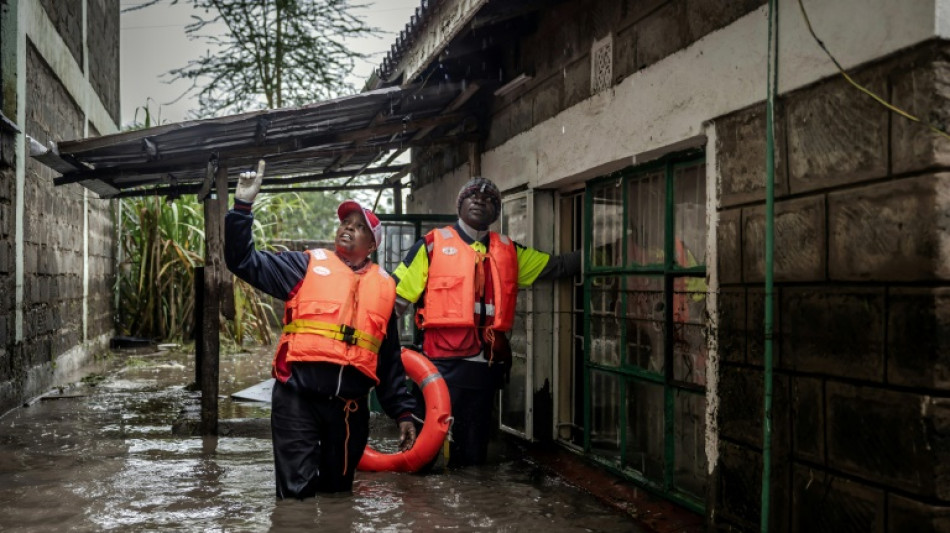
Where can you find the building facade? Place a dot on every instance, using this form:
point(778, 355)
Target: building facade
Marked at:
point(636, 131)
point(59, 65)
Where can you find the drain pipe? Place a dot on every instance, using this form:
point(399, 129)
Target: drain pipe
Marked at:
point(771, 83)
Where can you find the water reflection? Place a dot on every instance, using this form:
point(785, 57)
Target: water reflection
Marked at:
point(105, 458)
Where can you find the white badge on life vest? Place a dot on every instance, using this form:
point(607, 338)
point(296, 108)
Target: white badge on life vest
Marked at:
point(321, 271)
point(449, 250)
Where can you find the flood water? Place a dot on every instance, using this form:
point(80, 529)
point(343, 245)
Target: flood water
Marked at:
point(102, 455)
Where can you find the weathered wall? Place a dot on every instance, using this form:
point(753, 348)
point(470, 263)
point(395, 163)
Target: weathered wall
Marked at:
point(862, 257)
point(53, 224)
point(103, 40)
point(67, 21)
point(62, 245)
point(862, 271)
point(7, 264)
point(558, 56)
point(664, 93)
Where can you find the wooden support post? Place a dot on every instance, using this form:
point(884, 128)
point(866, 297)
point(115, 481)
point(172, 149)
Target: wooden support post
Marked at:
point(198, 333)
point(397, 198)
point(213, 273)
point(223, 275)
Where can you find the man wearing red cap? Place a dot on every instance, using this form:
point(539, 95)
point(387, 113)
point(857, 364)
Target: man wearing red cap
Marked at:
point(466, 280)
point(339, 341)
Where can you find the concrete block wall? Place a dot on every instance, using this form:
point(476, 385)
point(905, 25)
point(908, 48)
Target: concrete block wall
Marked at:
point(558, 53)
point(53, 223)
point(862, 271)
point(65, 315)
point(67, 19)
point(7, 258)
point(103, 40)
point(558, 57)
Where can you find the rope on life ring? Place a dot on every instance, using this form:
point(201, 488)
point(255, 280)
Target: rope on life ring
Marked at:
point(437, 416)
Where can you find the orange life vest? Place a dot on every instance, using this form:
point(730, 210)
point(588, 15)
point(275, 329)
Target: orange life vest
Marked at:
point(337, 315)
point(450, 299)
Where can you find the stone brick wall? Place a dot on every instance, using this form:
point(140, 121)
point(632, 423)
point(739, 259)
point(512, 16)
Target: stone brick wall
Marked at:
point(7, 265)
point(57, 223)
point(67, 19)
point(103, 36)
point(862, 271)
point(53, 225)
point(557, 55)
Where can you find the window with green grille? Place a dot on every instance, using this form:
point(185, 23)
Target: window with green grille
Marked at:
point(645, 303)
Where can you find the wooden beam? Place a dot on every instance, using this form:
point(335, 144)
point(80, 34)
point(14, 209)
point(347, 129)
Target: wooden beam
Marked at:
point(193, 188)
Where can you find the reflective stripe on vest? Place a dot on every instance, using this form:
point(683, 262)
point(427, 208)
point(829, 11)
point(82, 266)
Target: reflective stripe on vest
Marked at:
point(489, 309)
point(337, 315)
point(340, 332)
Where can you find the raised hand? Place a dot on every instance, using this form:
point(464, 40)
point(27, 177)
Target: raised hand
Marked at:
point(249, 183)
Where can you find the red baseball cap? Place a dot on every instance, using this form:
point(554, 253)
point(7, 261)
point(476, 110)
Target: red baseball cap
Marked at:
point(372, 221)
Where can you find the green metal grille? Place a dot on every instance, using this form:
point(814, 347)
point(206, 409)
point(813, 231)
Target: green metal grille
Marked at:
point(644, 308)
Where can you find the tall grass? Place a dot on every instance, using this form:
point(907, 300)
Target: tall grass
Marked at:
point(161, 244)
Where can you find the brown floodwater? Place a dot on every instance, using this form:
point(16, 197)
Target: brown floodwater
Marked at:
point(114, 453)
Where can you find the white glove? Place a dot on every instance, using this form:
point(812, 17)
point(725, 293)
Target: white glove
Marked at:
point(249, 183)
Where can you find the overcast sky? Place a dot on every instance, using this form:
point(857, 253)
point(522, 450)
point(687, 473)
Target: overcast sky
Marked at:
point(153, 42)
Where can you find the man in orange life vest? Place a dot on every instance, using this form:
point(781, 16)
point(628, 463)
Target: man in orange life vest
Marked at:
point(468, 278)
point(338, 342)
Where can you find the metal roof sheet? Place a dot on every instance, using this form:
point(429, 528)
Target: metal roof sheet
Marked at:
point(343, 137)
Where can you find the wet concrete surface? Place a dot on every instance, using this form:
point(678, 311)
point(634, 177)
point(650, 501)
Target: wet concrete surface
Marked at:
point(116, 453)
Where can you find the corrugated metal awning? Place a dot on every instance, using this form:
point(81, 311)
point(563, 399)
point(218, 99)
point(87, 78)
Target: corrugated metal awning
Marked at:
point(345, 137)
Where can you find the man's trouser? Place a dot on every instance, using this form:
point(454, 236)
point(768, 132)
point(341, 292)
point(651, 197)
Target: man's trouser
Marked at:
point(471, 425)
point(318, 441)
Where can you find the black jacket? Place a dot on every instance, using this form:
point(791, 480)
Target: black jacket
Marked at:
point(280, 275)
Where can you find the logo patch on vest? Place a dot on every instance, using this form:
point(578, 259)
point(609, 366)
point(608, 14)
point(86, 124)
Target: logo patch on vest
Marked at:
point(319, 253)
point(450, 250)
point(321, 271)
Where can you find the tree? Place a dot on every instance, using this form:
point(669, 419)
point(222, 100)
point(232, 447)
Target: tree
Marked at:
point(269, 53)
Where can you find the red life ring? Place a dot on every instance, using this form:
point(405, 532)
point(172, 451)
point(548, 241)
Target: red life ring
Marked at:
point(438, 413)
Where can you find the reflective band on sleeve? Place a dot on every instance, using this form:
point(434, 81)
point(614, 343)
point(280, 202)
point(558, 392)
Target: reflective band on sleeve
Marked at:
point(429, 379)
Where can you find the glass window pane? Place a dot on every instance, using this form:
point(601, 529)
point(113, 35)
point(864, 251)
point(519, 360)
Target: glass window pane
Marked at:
point(689, 339)
point(645, 433)
point(604, 323)
point(605, 341)
point(514, 218)
point(646, 205)
point(604, 413)
point(689, 197)
point(607, 222)
point(689, 473)
point(645, 334)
